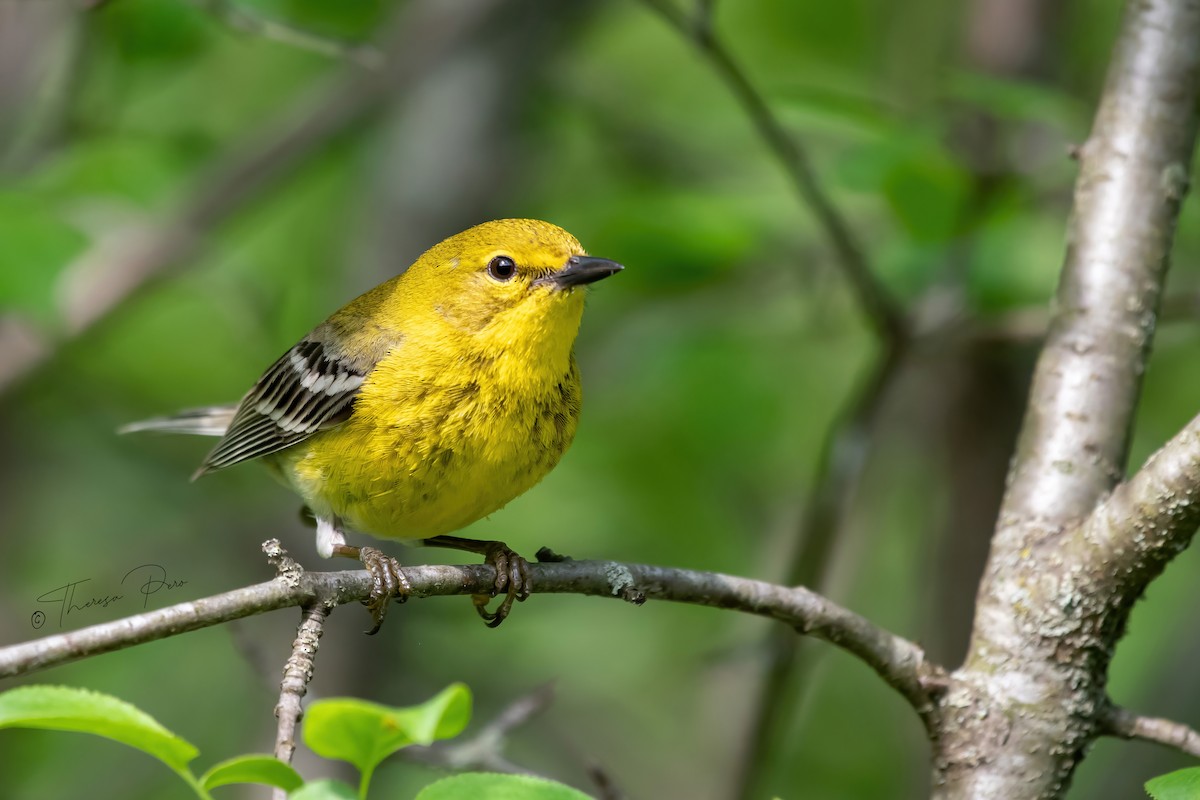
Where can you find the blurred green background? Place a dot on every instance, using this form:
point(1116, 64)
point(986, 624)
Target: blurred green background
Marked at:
point(714, 367)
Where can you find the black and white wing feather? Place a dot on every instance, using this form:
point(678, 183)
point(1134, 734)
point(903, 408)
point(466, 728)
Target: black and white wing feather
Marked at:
point(309, 389)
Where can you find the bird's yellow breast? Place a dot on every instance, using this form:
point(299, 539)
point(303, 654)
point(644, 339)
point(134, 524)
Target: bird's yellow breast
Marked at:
point(447, 428)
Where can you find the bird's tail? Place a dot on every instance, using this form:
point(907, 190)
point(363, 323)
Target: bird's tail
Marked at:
point(208, 421)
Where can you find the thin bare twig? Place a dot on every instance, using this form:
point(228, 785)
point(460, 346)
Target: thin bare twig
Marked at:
point(901, 663)
point(518, 712)
point(844, 456)
point(1180, 307)
point(22, 347)
point(606, 787)
point(485, 750)
point(124, 259)
point(296, 675)
point(244, 21)
point(1126, 724)
point(844, 453)
point(101, 279)
point(1029, 325)
point(298, 670)
point(880, 308)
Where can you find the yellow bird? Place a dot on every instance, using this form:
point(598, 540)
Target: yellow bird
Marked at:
point(425, 404)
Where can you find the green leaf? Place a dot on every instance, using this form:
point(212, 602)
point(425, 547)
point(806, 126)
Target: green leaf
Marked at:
point(836, 108)
point(64, 708)
point(340, 20)
point(1014, 258)
point(366, 733)
point(252, 769)
point(140, 170)
point(925, 187)
point(1012, 99)
point(492, 786)
point(1183, 784)
point(927, 192)
point(324, 790)
point(154, 30)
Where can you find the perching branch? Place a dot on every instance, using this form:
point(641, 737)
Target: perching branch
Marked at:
point(885, 316)
point(1029, 325)
point(1125, 724)
point(899, 662)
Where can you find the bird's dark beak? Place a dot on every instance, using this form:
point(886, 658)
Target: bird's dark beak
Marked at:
point(580, 270)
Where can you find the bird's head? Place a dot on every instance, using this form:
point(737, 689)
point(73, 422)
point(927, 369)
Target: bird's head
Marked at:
point(518, 282)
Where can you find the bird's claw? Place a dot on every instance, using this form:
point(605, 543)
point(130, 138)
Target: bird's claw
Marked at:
point(387, 581)
point(513, 580)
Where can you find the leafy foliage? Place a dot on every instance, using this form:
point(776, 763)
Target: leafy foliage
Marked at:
point(343, 728)
point(266, 770)
point(1183, 784)
point(366, 733)
point(64, 708)
point(712, 369)
point(492, 786)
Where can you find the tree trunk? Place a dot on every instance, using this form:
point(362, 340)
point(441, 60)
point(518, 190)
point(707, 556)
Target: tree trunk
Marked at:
point(1019, 715)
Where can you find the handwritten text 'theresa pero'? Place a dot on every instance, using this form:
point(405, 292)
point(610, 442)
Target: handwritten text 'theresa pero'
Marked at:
point(145, 579)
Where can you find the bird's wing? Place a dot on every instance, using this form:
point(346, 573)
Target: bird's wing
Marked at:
point(310, 388)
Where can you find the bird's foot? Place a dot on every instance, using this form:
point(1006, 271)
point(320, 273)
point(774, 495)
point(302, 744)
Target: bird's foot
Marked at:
point(387, 581)
point(512, 580)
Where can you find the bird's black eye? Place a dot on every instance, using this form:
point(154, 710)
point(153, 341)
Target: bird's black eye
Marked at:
point(502, 268)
